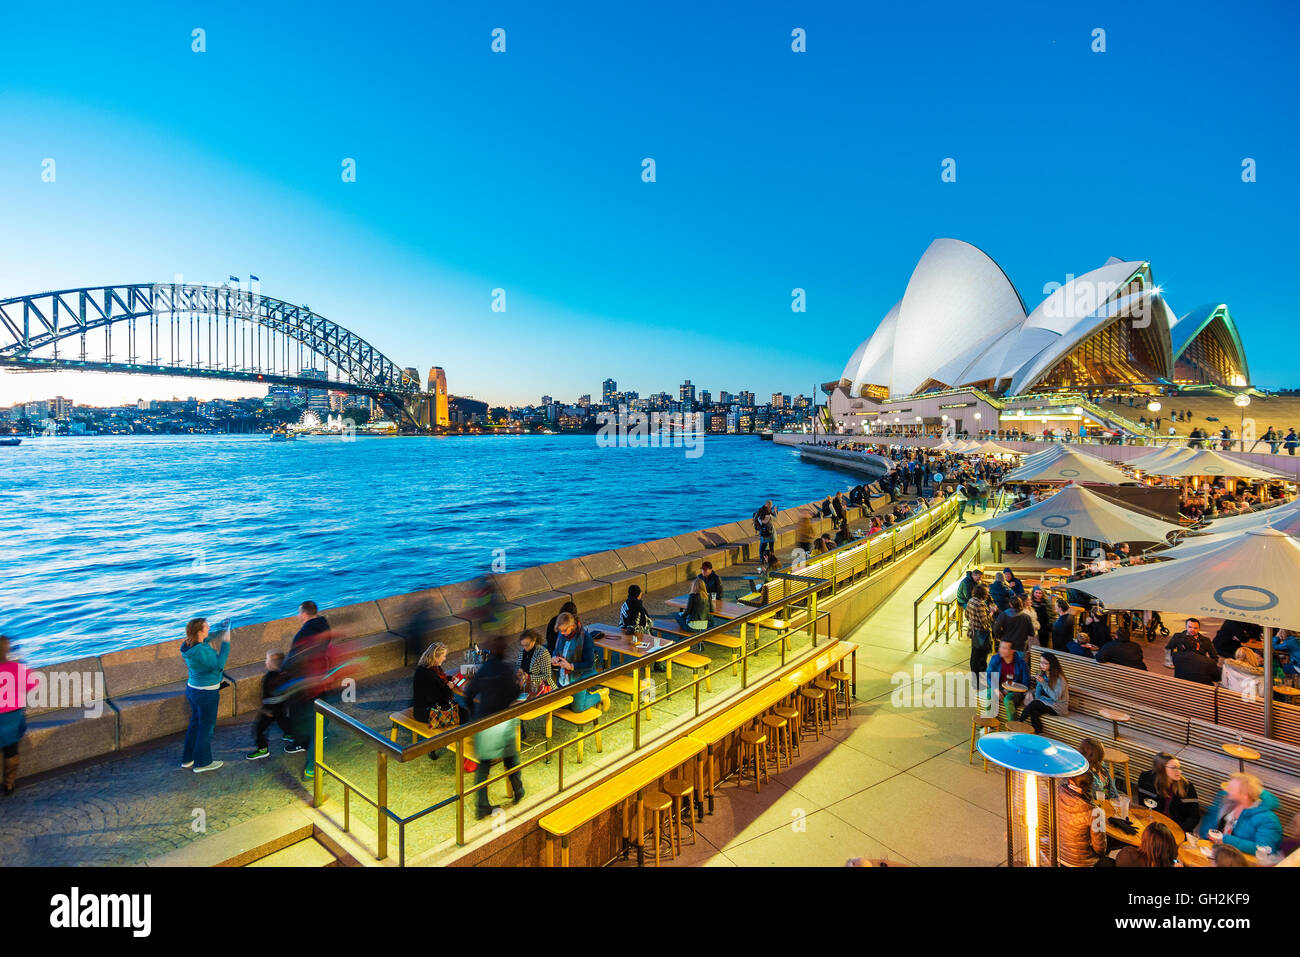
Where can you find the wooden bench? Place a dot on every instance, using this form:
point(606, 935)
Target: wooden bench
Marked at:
point(669, 627)
point(692, 661)
point(1171, 695)
point(625, 786)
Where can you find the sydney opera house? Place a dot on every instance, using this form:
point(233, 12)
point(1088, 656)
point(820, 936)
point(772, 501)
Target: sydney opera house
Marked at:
point(961, 327)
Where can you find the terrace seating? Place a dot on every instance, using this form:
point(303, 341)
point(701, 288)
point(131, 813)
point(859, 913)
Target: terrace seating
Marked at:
point(63, 735)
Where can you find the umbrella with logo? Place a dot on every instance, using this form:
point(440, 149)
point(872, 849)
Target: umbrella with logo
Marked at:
point(1081, 513)
point(1209, 462)
point(1249, 577)
point(1068, 465)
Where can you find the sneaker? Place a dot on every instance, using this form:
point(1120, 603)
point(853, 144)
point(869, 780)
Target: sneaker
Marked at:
point(309, 773)
point(293, 747)
point(258, 754)
point(518, 798)
point(187, 764)
point(209, 767)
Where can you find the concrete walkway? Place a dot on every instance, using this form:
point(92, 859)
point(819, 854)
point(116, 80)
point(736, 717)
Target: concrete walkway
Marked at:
point(892, 782)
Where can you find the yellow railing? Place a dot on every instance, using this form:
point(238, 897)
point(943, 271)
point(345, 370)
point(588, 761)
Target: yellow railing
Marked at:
point(945, 615)
point(792, 618)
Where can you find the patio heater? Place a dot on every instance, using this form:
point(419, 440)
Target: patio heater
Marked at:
point(1032, 765)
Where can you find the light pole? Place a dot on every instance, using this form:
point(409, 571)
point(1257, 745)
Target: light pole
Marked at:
point(1241, 400)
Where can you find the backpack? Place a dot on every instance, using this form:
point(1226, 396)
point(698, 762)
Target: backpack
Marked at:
point(758, 525)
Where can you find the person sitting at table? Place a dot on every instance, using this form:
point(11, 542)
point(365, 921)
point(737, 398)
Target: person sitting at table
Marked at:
point(1191, 666)
point(1051, 694)
point(1175, 795)
point(568, 608)
point(1103, 783)
point(1008, 665)
point(1156, 849)
point(1063, 626)
point(842, 534)
point(1015, 624)
point(1121, 651)
point(1244, 673)
point(1080, 843)
point(632, 617)
point(1229, 638)
point(432, 698)
point(1244, 815)
point(1096, 627)
point(534, 665)
point(712, 583)
point(1191, 639)
point(697, 615)
point(1286, 643)
point(574, 659)
point(1225, 855)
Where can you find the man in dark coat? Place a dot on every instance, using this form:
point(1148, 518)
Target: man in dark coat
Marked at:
point(306, 667)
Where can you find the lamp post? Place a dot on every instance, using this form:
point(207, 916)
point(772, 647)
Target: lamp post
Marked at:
point(1028, 758)
point(1241, 400)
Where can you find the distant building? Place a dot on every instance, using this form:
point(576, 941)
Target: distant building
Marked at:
point(608, 389)
point(464, 412)
point(687, 393)
point(779, 400)
point(441, 406)
point(316, 400)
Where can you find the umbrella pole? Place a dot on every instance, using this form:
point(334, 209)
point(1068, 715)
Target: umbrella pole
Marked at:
point(1268, 682)
point(1074, 553)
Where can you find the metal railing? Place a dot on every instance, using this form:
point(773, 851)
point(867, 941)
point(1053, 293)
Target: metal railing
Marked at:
point(945, 615)
point(794, 616)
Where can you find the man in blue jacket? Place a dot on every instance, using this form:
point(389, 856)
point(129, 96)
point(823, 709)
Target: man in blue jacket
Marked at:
point(1245, 815)
point(1009, 665)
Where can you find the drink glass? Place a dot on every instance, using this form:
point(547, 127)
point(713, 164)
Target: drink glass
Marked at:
point(1215, 835)
point(1123, 802)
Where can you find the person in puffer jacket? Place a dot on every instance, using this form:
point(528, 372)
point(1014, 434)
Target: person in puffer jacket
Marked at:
point(1081, 829)
point(1246, 815)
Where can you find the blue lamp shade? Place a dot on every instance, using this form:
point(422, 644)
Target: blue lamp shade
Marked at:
point(1032, 754)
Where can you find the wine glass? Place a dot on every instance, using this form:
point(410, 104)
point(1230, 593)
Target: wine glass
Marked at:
point(1150, 803)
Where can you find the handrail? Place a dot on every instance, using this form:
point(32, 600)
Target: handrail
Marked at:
point(803, 598)
point(916, 605)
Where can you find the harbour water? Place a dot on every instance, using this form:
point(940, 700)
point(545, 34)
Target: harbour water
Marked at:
point(109, 543)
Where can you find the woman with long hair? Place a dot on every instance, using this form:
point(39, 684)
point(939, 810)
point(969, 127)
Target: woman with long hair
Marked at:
point(1157, 849)
point(1051, 693)
point(1174, 795)
point(979, 629)
point(1102, 782)
point(204, 663)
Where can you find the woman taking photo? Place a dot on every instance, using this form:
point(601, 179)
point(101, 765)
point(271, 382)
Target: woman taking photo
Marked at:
point(1174, 795)
point(204, 662)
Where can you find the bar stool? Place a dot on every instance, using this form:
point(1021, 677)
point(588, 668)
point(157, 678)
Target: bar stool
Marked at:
point(1112, 757)
point(682, 792)
point(810, 718)
point(845, 681)
point(791, 715)
point(779, 729)
point(659, 804)
point(980, 725)
point(831, 698)
point(751, 740)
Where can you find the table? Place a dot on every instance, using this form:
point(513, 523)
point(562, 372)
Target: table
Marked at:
point(1192, 855)
point(721, 609)
point(1115, 716)
point(1288, 694)
point(1242, 754)
point(1142, 818)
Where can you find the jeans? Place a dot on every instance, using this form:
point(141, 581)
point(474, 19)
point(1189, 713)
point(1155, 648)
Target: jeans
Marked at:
point(203, 722)
point(511, 758)
point(961, 509)
point(1033, 713)
point(279, 715)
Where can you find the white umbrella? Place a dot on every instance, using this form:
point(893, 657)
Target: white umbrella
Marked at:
point(1068, 465)
point(1081, 513)
point(989, 447)
point(1250, 577)
point(1160, 457)
point(1210, 462)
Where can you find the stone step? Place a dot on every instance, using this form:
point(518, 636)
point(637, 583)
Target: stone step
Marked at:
point(305, 853)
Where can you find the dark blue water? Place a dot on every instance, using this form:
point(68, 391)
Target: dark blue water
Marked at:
point(108, 543)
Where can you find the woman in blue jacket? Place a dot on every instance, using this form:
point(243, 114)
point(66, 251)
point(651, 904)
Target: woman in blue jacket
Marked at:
point(1245, 814)
point(575, 659)
point(205, 663)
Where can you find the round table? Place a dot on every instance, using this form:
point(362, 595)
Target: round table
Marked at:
point(1141, 818)
point(1242, 754)
point(1115, 717)
point(1014, 687)
point(1193, 855)
point(1288, 694)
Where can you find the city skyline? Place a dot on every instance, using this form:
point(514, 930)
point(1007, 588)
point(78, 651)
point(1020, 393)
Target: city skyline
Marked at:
point(775, 171)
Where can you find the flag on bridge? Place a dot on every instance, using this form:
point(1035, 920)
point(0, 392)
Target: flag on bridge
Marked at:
point(252, 278)
point(234, 279)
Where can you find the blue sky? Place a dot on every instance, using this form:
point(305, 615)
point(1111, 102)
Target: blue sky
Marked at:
point(522, 170)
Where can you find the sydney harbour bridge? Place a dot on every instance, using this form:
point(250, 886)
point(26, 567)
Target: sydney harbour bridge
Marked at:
point(209, 332)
